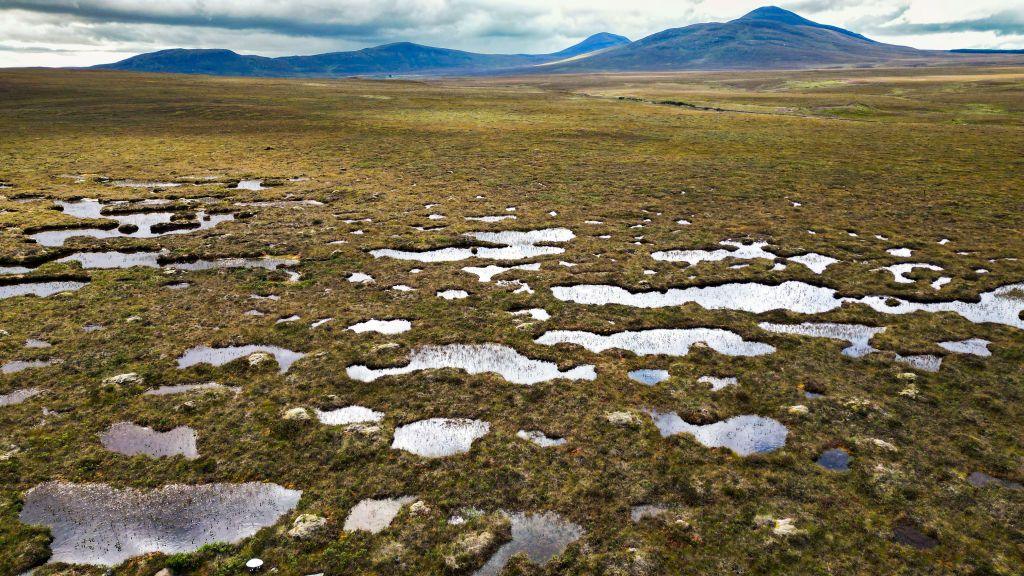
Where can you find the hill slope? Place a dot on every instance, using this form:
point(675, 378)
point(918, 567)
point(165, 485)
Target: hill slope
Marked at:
point(396, 58)
point(599, 41)
point(768, 37)
point(214, 62)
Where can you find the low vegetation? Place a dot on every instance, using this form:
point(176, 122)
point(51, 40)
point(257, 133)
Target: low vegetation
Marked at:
point(807, 161)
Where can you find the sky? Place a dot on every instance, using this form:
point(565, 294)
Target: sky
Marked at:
point(87, 32)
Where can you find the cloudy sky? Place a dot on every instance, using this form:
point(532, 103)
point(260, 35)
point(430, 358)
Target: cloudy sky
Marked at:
point(84, 32)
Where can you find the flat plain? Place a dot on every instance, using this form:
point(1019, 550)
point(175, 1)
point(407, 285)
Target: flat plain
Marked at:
point(163, 219)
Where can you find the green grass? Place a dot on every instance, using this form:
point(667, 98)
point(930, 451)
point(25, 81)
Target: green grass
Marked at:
point(898, 167)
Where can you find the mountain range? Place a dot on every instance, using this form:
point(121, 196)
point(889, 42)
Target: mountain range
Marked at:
point(399, 58)
point(766, 38)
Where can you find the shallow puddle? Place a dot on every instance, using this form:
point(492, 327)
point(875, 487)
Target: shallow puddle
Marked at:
point(374, 516)
point(649, 377)
point(528, 237)
point(266, 263)
point(514, 245)
point(15, 366)
point(487, 273)
point(718, 382)
point(858, 335)
point(18, 396)
point(439, 437)
point(84, 208)
point(221, 356)
point(973, 346)
point(907, 533)
point(748, 297)
point(273, 297)
point(144, 184)
point(540, 537)
point(644, 511)
point(835, 459)
point(539, 438)
point(184, 388)
point(1000, 306)
point(348, 415)
point(98, 524)
point(439, 255)
point(739, 251)
point(899, 271)
point(281, 203)
point(478, 359)
point(520, 252)
point(382, 326)
point(520, 286)
point(249, 185)
point(143, 223)
point(538, 314)
point(671, 342)
point(41, 289)
point(129, 439)
point(814, 262)
point(744, 435)
point(923, 362)
point(113, 260)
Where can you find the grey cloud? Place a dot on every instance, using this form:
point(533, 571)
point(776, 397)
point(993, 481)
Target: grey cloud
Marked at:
point(327, 19)
point(306, 26)
point(27, 49)
point(276, 27)
point(1003, 23)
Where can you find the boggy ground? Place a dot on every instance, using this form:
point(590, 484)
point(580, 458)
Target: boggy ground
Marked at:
point(383, 151)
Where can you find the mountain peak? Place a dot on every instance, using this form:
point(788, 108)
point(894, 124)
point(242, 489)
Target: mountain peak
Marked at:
point(776, 15)
point(773, 13)
point(607, 37)
point(593, 43)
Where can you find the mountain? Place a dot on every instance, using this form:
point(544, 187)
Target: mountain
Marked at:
point(780, 16)
point(214, 62)
point(768, 37)
point(403, 58)
point(599, 41)
point(986, 51)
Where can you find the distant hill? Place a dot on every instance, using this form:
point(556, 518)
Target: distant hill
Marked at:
point(214, 62)
point(768, 37)
point(402, 58)
point(599, 41)
point(985, 51)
